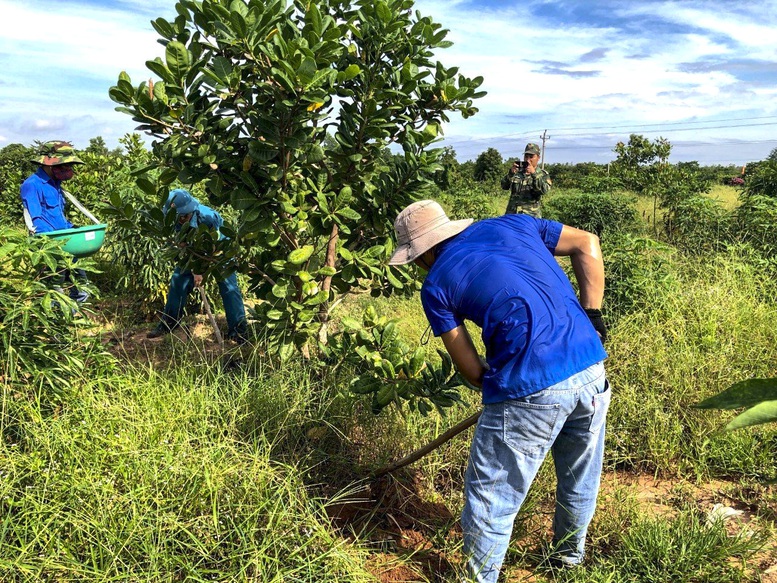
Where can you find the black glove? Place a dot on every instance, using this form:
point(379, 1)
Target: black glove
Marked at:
point(598, 322)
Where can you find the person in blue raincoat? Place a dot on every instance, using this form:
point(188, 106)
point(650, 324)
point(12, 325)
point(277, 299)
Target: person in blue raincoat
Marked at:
point(44, 205)
point(189, 210)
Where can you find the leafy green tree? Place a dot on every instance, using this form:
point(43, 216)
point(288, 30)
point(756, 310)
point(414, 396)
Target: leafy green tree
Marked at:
point(136, 265)
point(97, 147)
point(489, 166)
point(762, 180)
point(643, 167)
point(639, 163)
point(250, 95)
point(450, 172)
point(757, 213)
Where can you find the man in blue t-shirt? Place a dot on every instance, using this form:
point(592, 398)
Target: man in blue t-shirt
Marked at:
point(44, 205)
point(189, 210)
point(543, 381)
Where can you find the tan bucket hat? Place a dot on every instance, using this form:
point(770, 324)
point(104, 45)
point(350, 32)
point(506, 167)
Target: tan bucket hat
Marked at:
point(420, 227)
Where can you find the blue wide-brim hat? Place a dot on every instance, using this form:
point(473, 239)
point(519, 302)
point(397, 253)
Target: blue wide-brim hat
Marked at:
point(183, 201)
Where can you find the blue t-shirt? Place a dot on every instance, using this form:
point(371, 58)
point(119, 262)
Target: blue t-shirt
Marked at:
point(42, 197)
point(501, 274)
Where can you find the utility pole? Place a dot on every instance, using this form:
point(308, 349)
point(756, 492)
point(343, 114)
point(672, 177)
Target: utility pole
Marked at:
point(544, 137)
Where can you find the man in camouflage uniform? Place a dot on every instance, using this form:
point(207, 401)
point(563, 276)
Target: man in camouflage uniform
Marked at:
point(527, 184)
point(44, 203)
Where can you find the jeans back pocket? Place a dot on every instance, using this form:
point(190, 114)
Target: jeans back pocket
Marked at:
point(530, 428)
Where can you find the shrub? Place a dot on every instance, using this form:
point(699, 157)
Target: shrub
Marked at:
point(762, 180)
point(39, 332)
point(639, 272)
point(754, 222)
point(135, 263)
point(576, 175)
point(698, 225)
point(489, 166)
point(468, 199)
point(596, 213)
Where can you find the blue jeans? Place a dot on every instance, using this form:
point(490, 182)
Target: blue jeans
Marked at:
point(182, 284)
point(69, 277)
point(510, 443)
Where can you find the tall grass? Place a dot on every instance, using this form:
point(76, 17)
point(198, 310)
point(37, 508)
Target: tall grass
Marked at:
point(715, 324)
point(154, 477)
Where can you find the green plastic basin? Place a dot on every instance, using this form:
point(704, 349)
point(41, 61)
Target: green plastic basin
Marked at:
point(81, 241)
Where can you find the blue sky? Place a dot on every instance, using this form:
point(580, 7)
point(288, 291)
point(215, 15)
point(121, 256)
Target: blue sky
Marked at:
point(702, 74)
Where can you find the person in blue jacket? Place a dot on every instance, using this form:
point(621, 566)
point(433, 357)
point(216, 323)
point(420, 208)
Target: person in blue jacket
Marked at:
point(44, 203)
point(543, 381)
point(189, 210)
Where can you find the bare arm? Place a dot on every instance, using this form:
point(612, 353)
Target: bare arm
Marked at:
point(459, 345)
point(583, 250)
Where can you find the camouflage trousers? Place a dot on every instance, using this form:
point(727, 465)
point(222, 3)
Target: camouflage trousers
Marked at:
point(526, 207)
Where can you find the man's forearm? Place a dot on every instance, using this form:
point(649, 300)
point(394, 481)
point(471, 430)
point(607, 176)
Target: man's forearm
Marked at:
point(589, 272)
point(586, 255)
point(459, 345)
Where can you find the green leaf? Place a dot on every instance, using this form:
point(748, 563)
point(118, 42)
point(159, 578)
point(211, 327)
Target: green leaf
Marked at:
point(393, 280)
point(306, 71)
point(280, 290)
point(383, 11)
point(742, 394)
point(274, 314)
point(178, 60)
point(146, 186)
point(351, 323)
point(299, 256)
point(320, 77)
point(765, 412)
point(327, 271)
point(164, 28)
point(351, 71)
point(349, 213)
point(286, 351)
point(222, 67)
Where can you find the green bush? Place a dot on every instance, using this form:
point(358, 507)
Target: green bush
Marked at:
point(754, 222)
point(42, 351)
point(698, 225)
point(596, 213)
point(133, 261)
point(577, 175)
point(639, 272)
point(467, 199)
point(761, 179)
point(489, 166)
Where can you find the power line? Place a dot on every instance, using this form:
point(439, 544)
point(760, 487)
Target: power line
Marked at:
point(648, 125)
point(633, 131)
point(744, 125)
point(674, 146)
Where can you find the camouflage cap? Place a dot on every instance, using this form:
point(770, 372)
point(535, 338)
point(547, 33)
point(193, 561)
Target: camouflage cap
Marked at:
point(55, 153)
point(532, 149)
